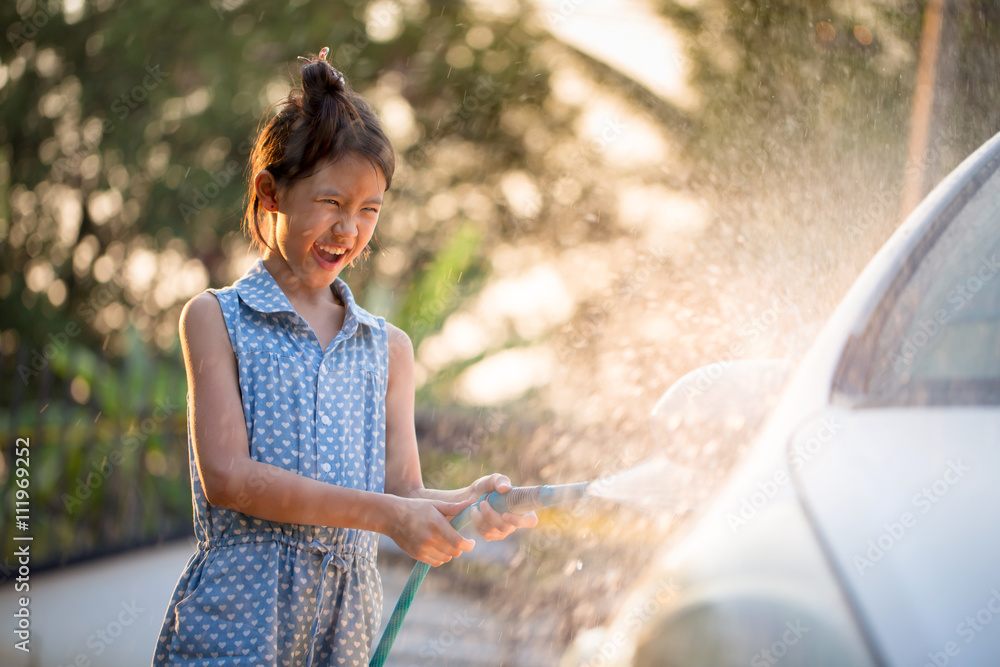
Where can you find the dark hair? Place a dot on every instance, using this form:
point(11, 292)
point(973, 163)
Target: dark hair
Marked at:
point(320, 121)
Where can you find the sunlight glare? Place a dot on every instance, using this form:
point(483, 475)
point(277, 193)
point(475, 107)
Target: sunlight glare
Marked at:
point(505, 376)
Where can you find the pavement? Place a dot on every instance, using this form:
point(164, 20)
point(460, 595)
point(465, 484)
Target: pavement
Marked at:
point(108, 613)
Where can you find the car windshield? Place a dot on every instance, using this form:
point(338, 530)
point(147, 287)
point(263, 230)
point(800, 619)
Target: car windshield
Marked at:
point(940, 343)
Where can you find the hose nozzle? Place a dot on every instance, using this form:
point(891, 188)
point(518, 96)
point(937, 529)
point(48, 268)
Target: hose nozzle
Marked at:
point(524, 499)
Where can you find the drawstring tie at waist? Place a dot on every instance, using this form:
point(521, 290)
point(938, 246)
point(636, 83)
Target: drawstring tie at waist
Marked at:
point(330, 555)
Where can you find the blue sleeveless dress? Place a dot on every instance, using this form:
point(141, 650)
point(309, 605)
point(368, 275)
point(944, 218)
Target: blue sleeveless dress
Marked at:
point(261, 593)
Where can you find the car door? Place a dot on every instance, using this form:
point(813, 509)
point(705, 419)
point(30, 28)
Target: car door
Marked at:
point(905, 498)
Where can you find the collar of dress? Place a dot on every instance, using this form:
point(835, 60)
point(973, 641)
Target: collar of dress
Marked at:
point(258, 289)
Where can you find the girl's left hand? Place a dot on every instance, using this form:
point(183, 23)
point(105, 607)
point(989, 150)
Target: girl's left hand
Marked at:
point(489, 523)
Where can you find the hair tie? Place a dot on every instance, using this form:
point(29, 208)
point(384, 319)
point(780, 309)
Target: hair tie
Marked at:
point(322, 58)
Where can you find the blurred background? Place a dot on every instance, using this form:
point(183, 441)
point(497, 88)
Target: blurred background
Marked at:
point(593, 198)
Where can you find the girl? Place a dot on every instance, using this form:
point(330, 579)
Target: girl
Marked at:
point(300, 413)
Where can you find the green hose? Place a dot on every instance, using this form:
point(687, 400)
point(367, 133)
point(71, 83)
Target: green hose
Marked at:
point(420, 571)
point(519, 500)
point(399, 613)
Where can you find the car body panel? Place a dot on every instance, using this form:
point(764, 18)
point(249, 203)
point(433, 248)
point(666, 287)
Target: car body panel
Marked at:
point(913, 530)
point(759, 539)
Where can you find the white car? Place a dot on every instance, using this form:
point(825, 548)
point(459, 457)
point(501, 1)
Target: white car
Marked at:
point(862, 527)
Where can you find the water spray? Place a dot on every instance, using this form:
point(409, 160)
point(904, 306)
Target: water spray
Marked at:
point(518, 500)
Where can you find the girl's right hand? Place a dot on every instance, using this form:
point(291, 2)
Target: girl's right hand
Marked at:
point(422, 528)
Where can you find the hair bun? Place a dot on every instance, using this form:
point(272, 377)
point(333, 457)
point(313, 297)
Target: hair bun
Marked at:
point(319, 76)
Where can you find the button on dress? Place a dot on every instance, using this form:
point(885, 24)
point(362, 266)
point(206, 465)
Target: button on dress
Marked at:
point(260, 593)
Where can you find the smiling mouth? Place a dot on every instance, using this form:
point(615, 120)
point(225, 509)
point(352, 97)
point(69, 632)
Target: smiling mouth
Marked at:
point(330, 255)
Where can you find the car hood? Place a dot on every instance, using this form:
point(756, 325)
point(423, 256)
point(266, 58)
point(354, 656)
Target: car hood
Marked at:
point(906, 504)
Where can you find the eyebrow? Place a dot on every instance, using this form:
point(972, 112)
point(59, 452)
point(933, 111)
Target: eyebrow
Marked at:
point(334, 193)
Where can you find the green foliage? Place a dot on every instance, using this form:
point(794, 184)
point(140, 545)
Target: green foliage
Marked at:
point(443, 284)
point(108, 456)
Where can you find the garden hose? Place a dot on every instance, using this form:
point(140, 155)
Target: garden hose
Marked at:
point(518, 500)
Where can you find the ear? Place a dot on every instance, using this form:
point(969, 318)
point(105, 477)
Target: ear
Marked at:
point(267, 190)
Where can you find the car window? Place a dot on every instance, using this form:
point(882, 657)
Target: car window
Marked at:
point(940, 342)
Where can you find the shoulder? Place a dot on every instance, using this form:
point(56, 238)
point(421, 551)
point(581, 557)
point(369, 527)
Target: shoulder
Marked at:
point(201, 311)
point(400, 344)
point(400, 353)
point(202, 326)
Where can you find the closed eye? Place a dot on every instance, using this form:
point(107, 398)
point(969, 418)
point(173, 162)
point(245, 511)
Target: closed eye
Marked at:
point(371, 209)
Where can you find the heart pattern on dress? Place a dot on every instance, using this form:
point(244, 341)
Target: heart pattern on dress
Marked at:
point(270, 593)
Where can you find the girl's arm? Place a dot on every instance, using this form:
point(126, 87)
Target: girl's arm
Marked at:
point(402, 463)
point(231, 479)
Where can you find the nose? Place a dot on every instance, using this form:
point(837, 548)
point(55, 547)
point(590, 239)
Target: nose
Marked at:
point(345, 225)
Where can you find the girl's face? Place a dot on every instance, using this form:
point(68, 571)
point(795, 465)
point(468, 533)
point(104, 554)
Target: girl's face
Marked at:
point(323, 222)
